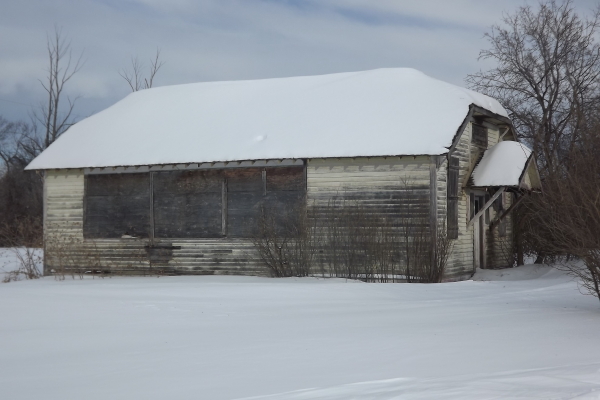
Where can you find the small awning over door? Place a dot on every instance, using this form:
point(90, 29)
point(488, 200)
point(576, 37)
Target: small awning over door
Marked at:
point(507, 164)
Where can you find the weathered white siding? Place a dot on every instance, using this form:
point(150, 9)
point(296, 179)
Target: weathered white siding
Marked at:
point(395, 188)
point(498, 248)
point(63, 204)
point(460, 262)
point(379, 179)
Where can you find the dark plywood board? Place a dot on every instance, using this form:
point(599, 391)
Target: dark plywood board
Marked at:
point(243, 211)
point(188, 215)
point(187, 204)
point(180, 182)
point(286, 178)
point(117, 184)
point(244, 180)
point(117, 205)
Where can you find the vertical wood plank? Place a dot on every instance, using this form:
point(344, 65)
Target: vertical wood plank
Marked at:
point(224, 208)
point(151, 208)
point(433, 204)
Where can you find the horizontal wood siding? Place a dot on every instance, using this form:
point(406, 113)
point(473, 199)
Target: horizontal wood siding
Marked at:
point(64, 203)
point(392, 187)
point(460, 262)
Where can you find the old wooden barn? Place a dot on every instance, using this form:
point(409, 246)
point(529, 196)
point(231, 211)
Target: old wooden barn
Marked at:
point(174, 178)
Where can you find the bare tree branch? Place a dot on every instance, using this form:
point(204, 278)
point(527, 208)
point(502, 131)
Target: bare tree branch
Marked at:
point(134, 77)
point(547, 75)
point(62, 66)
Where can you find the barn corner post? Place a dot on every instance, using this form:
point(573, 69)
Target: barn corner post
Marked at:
point(44, 221)
point(224, 207)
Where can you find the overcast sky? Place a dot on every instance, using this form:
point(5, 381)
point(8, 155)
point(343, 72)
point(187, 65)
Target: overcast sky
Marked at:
point(207, 40)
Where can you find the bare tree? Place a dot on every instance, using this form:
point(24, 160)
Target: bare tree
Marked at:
point(547, 75)
point(135, 78)
point(548, 78)
point(52, 115)
point(569, 212)
point(20, 142)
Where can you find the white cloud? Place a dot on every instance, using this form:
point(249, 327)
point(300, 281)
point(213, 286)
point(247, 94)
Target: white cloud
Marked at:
point(238, 39)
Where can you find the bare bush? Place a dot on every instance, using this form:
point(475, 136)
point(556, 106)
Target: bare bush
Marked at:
point(347, 240)
point(286, 242)
point(68, 255)
point(358, 244)
point(569, 212)
point(23, 239)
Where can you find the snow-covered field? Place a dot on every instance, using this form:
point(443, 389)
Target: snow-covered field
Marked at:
point(524, 333)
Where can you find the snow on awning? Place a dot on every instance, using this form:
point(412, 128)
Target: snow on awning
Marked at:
point(383, 112)
point(504, 164)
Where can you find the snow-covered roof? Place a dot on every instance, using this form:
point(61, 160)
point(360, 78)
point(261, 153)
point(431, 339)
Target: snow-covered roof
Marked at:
point(502, 165)
point(397, 111)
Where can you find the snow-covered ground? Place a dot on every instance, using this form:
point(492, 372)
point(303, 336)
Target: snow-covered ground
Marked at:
point(525, 333)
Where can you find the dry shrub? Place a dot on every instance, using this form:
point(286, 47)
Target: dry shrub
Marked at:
point(567, 221)
point(68, 255)
point(347, 240)
point(23, 238)
point(286, 242)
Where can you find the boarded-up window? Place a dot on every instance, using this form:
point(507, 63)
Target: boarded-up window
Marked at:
point(188, 204)
point(285, 194)
point(244, 196)
point(278, 191)
point(117, 205)
point(453, 172)
point(479, 136)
